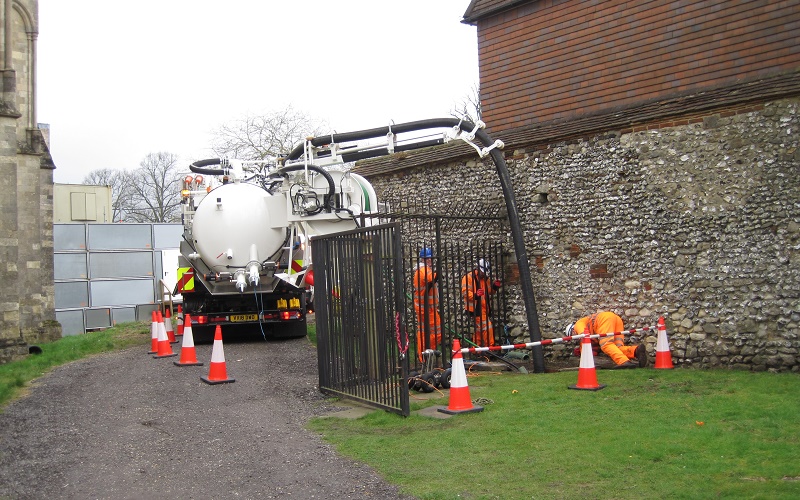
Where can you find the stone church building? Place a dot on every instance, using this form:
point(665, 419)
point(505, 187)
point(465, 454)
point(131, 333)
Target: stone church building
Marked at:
point(27, 310)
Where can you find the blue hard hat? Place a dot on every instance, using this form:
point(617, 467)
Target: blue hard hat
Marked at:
point(426, 253)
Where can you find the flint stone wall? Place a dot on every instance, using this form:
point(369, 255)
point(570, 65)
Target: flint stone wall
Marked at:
point(696, 223)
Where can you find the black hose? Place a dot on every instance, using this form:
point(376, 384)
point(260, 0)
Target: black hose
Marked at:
point(372, 153)
point(322, 172)
point(198, 167)
point(519, 247)
point(508, 195)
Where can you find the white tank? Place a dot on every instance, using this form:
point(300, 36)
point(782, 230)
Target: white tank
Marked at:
point(231, 227)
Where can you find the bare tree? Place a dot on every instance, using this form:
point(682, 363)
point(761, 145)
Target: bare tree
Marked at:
point(469, 107)
point(155, 189)
point(257, 137)
point(120, 189)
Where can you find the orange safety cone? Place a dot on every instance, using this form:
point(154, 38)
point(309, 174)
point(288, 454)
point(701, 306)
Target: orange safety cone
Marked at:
point(663, 354)
point(180, 320)
point(164, 347)
point(587, 375)
point(460, 402)
point(217, 373)
point(168, 326)
point(153, 335)
point(188, 353)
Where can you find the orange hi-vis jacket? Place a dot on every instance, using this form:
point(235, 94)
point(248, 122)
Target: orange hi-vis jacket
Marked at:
point(426, 305)
point(607, 322)
point(479, 307)
point(470, 284)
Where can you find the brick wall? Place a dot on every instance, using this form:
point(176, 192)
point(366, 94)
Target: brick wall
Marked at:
point(549, 59)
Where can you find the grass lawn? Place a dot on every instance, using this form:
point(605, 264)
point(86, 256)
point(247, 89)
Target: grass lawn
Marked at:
point(649, 434)
point(15, 376)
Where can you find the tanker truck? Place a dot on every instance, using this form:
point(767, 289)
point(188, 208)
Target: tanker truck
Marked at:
point(245, 257)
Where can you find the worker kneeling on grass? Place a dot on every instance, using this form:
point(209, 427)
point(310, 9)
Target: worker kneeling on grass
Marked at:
point(608, 322)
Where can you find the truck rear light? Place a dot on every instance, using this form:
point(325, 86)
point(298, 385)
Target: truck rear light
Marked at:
point(201, 320)
point(286, 315)
point(218, 319)
point(270, 316)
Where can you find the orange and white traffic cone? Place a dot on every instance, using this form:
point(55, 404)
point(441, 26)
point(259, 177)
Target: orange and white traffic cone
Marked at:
point(188, 352)
point(460, 402)
point(663, 354)
point(587, 375)
point(168, 326)
point(153, 335)
point(217, 373)
point(164, 347)
point(179, 319)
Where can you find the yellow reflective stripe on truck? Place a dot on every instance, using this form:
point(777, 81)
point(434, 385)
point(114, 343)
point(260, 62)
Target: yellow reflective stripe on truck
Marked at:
point(185, 279)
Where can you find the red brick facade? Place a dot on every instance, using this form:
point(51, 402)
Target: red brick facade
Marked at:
point(549, 59)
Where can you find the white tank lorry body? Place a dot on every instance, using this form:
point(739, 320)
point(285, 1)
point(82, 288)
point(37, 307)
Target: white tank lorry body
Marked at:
point(244, 257)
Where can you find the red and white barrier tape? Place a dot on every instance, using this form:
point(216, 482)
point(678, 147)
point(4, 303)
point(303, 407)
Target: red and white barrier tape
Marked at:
point(555, 341)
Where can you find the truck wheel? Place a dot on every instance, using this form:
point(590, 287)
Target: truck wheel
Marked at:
point(203, 334)
point(293, 330)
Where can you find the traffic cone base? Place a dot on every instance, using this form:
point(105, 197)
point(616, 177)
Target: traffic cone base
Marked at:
point(587, 375)
point(474, 409)
point(214, 381)
point(589, 387)
point(183, 363)
point(188, 352)
point(217, 373)
point(460, 401)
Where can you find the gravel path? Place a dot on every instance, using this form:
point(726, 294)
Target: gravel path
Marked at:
point(126, 426)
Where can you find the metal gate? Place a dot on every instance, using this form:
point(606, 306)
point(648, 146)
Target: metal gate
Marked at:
point(358, 299)
point(458, 237)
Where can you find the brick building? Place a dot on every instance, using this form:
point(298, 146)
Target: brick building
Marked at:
point(654, 150)
point(548, 60)
point(27, 312)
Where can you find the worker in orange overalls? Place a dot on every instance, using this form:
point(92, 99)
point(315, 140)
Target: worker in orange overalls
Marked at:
point(608, 322)
point(476, 289)
point(426, 304)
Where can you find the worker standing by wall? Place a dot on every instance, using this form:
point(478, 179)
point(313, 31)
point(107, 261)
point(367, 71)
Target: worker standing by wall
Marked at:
point(426, 304)
point(476, 289)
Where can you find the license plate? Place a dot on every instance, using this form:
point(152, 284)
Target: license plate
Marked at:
point(237, 318)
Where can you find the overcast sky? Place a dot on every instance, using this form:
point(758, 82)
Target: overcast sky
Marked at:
point(120, 79)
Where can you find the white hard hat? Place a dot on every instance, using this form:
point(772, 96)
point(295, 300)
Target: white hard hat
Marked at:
point(483, 266)
point(569, 332)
